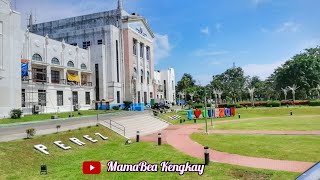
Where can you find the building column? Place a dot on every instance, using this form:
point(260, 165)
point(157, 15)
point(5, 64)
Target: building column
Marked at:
point(49, 74)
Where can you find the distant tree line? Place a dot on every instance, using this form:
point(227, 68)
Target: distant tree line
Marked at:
point(297, 78)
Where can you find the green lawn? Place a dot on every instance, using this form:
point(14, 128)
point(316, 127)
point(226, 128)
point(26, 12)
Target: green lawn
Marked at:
point(40, 117)
point(283, 147)
point(282, 124)
point(252, 113)
point(20, 161)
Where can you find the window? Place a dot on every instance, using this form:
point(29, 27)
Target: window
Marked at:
point(74, 44)
point(42, 97)
point(148, 79)
point(148, 53)
point(83, 66)
point(55, 61)
point(23, 98)
point(141, 76)
point(151, 95)
point(88, 98)
point(172, 85)
point(145, 98)
point(139, 97)
point(59, 98)
point(96, 68)
point(118, 96)
point(74, 97)
point(36, 57)
point(39, 75)
point(99, 41)
point(141, 50)
point(86, 44)
point(117, 56)
point(55, 77)
point(70, 64)
point(135, 46)
point(165, 89)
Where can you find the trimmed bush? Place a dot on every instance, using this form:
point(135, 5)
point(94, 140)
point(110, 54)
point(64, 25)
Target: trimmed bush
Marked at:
point(15, 113)
point(314, 103)
point(198, 106)
point(116, 108)
point(30, 133)
point(208, 105)
point(127, 104)
point(274, 104)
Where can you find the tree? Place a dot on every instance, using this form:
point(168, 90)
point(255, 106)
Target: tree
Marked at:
point(285, 92)
point(251, 92)
point(293, 88)
point(303, 70)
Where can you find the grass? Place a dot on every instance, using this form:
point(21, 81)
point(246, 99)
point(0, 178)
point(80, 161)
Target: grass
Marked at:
point(20, 161)
point(250, 113)
point(282, 147)
point(40, 117)
point(280, 124)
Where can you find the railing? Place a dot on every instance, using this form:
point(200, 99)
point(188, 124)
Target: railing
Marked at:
point(86, 83)
point(116, 125)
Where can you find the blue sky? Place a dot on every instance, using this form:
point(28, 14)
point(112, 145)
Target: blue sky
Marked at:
point(205, 37)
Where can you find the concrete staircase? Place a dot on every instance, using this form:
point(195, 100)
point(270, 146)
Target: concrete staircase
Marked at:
point(132, 122)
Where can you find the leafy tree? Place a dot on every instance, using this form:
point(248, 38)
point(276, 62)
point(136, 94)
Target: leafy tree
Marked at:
point(303, 70)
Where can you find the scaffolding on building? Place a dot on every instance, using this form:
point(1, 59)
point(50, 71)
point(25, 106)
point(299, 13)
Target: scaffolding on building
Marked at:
point(35, 88)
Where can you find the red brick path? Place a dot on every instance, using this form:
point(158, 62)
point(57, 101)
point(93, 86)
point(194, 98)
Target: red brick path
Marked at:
point(178, 137)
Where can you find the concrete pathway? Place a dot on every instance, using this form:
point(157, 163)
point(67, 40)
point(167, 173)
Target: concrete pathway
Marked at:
point(179, 137)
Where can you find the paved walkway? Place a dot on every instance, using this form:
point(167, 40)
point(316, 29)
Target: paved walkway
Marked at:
point(179, 137)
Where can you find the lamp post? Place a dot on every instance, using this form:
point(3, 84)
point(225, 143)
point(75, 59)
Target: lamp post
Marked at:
point(205, 107)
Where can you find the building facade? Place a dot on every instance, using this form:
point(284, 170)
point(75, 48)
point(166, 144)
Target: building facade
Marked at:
point(11, 37)
point(166, 85)
point(76, 62)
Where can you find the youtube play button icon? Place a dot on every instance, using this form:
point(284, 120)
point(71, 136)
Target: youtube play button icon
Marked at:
point(91, 167)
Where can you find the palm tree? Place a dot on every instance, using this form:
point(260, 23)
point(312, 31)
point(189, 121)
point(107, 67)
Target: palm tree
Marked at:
point(293, 88)
point(285, 92)
point(251, 92)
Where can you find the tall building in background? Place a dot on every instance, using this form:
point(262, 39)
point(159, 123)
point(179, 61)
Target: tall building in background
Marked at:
point(166, 85)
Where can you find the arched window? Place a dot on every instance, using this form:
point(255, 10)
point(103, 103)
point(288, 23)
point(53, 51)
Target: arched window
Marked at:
point(141, 76)
point(148, 77)
point(36, 57)
point(70, 64)
point(83, 66)
point(55, 61)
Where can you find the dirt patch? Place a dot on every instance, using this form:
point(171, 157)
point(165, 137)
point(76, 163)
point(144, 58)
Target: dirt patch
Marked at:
point(249, 175)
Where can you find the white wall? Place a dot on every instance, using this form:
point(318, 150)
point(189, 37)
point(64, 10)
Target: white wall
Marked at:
point(10, 49)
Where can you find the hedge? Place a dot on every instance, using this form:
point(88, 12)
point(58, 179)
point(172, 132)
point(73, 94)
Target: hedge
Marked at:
point(314, 103)
point(274, 104)
point(198, 106)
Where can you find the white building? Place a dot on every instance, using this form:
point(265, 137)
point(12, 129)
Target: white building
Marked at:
point(166, 84)
point(10, 51)
point(59, 76)
point(44, 68)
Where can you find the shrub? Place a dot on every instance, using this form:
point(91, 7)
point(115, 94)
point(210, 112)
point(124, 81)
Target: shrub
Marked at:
point(222, 105)
point(198, 106)
point(208, 105)
point(274, 104)
point(231, 105)
point(15, 113)
point(314, 103)
point(127, 104)
point(30, 132)
point(116, 108)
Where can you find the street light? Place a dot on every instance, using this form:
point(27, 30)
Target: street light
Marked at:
point(205, 107)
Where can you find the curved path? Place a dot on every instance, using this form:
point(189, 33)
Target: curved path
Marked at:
point(178, 136)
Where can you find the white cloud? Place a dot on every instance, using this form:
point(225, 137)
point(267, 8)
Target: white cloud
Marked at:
point(205, 30)
point(259, 2)
point(261, 70)
point(288, 26)
point(208, 52)
point(162, 47)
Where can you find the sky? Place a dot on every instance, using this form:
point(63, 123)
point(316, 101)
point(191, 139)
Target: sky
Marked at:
point(206, 37)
